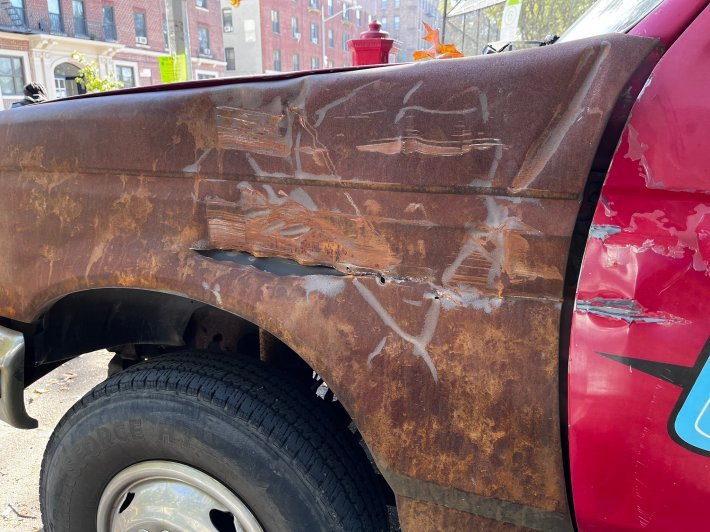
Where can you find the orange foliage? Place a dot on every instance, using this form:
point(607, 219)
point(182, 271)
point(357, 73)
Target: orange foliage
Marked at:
point(437, 50)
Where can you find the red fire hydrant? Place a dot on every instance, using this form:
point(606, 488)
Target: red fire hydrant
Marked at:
point(372, 48)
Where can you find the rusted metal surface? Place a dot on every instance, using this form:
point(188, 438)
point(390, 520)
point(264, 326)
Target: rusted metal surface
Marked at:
point(445, 192)
point(417, 515)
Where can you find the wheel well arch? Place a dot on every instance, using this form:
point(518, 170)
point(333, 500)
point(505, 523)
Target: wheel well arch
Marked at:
point(138, 322)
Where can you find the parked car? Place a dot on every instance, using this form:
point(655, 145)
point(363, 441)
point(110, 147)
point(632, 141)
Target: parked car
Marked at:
point(475, 290)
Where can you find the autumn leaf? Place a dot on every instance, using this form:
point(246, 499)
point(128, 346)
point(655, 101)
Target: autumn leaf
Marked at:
point(437, 50)
point(235, 3)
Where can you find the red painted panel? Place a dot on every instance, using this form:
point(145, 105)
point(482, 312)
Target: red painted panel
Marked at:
point(642, 313)
point(669, 20)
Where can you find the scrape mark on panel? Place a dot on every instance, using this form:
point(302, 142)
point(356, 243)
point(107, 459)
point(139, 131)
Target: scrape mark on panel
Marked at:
point(603, 231)
point(419, 343)
point(411, 142)
point(627, 310)
point(252, 131)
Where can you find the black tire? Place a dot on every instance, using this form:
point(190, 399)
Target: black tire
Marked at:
point(254, 431)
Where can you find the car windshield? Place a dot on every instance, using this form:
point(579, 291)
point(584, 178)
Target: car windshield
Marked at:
point(609, 16)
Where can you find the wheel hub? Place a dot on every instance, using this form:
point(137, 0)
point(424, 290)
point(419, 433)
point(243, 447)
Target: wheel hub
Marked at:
point(162, 496)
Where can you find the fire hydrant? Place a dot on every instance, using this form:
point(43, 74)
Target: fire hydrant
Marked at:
point(372, 48)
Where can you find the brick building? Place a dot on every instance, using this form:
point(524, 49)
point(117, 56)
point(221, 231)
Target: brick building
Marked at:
point(126, 37)
point(285, 35)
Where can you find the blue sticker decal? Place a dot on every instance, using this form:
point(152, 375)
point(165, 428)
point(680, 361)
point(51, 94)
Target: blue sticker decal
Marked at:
point(689, 424)
point(692, 420)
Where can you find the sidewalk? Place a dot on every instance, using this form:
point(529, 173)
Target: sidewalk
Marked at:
point(21, 450)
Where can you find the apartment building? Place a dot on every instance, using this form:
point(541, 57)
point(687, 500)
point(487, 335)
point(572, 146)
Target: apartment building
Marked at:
point(288, 35)
point(126, 37)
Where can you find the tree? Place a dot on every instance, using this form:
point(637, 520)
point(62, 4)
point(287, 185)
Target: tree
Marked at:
point(539, 18)
point(90, 78)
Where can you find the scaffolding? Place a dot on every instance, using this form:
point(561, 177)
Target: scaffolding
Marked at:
point(471, 24)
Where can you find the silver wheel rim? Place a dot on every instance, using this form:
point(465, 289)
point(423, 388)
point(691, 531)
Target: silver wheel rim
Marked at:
point(162, 496)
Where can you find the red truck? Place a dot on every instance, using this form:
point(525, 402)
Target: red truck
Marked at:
point(474, 291)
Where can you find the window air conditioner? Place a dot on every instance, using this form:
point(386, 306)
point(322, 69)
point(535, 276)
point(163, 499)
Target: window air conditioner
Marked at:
point(142, 40)
point(297, 36)
point(228, 29)
point(206, 51)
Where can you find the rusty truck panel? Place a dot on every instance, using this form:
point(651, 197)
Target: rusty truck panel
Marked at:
point(425, 211)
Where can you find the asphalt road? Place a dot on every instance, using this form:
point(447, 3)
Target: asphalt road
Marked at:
point(21, 450)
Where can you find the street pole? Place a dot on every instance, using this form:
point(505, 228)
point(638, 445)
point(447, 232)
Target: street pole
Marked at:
point(323, 20)
point(322, 34)
point(178, 31)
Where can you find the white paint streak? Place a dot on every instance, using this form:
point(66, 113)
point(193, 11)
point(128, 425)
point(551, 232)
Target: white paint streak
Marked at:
point(298, 195)
point(376, 352)
point(404, 110)
point(411, 91)
point(194, 167)
point(469, 298)
point(215, 291)
point(320, 113)
point(492, 231)
point(350, 199)
point(419, 343)
point(326, 285)
point(541, 152)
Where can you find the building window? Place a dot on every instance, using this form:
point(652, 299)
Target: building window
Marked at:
point(346, 38)
point(296, 62)
point(15, 10)
point(275, 26)
point(109, 23)
point(249, 30)
point(396, 4)
point(383, 23)
point(201, 75)
point(201, 3)
point(139, 23)
point(396, 22)
point(127, 75)
point(277, 60)
point(313, 4)
point(230, 58)
point(358, 17)
point(330, 7)
point(77, 7)
point(314, 33)
point(294, 28)
point(331, 63)
point(203, 39)
point(56, 23)
point(383, 4)
point(331, 38)
point(315, 63)
point(227, 24)
point(12, 76)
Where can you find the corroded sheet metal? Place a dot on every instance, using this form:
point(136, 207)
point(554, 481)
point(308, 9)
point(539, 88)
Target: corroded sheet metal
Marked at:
point(446, 193)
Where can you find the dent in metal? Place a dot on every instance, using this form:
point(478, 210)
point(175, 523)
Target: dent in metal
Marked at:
point(274, 265)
